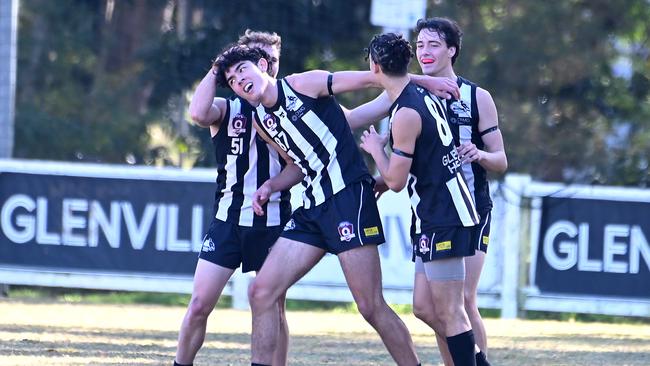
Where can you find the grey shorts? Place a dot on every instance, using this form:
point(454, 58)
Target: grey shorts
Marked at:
point(448, 269)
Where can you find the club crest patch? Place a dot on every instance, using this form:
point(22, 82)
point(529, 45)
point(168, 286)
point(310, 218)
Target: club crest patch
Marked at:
point(424, 244)
point(269, 122)
point(237, 126)
point(346, 231)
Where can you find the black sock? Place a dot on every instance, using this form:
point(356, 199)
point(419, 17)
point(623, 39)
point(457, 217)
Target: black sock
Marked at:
point(481, 360)
point(461, 347)
point(182, 364)
point(258, 364)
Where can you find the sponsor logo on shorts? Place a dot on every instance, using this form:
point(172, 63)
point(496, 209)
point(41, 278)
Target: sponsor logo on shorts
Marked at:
point(443, 245)
point(486, 240)
point(290, 225)
point(424, 244)
point(371, 231)
point(346, 231)
point(208, 245)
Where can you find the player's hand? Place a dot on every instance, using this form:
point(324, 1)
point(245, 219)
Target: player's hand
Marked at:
point(468, 152)
point(372, 142)
point(444, 87)
point(260, 198)
point(380, 188)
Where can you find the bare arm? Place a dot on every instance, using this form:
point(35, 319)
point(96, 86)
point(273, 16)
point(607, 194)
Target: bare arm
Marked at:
point(369, 112)
point(287, 178)
point(205, 109)
point(442, 87)
point(407, 125)
point(493, 158)
point(314, 83)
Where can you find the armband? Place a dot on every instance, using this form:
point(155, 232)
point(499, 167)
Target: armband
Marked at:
point(491, 129)
point(402, 153)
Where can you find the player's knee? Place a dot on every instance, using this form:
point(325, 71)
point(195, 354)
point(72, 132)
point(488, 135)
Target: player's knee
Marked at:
point(469, 297)
point(199, 309)
point(368, 309)
point(423, 312)
point(259, 296)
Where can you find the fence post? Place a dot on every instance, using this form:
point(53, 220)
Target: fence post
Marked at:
point(514, 186)
point(240, 282)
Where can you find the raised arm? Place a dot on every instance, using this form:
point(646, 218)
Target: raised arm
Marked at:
point(493, 158)
point(442, 87)
point(369, 112)
point(406, 128)
point(205, 109)
point(315, 83)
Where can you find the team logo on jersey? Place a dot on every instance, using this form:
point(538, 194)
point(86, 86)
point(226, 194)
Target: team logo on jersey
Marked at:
point(293, 103)
point(346, 231)
point(208, 245)
point(461, 109)
point(424, 244)
point(237, 126)
point(290, 225)
point(269, 122)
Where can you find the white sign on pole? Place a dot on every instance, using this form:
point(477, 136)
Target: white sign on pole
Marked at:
point(397, 14)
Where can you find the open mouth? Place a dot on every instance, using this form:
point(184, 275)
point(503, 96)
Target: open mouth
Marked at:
point(427, 61)
point(248, 87)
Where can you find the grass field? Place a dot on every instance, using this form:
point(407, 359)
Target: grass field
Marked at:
point(35, 332)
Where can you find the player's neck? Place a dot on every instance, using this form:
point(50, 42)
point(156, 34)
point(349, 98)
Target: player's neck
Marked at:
point(447, 72)
point(270, 94)
point(394, 86)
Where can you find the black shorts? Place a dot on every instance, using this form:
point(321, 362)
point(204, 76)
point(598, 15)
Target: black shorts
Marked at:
point(443, 243)
point(481, 235)
point(347, 220)
point(229, 245)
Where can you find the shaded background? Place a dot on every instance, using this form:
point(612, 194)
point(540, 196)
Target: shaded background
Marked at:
point(110, 80)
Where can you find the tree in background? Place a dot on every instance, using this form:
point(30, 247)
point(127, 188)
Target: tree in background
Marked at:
point(108, 80)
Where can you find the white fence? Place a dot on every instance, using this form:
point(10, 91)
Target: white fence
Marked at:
point(513, 272)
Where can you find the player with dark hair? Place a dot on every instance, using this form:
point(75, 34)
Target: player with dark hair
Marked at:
point(301, 119)
point(474, 122)
point(236, 235)
point(425, 160)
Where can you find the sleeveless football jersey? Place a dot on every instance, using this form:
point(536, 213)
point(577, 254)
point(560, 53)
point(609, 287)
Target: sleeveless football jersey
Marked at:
point(438, 191)
point(316, 135)
point(463, 119)
point(244, 162)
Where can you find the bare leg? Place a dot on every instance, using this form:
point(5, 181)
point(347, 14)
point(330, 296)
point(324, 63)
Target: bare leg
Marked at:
point(473, 267)
point(424, 308)
point(363, 275)
point(209, 281)
point(288, 261)
point(282, 349)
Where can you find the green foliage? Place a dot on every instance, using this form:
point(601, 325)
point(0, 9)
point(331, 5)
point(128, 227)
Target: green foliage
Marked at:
point(571, 79)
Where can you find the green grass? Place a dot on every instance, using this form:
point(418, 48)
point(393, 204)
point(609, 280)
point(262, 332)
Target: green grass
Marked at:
point(123, 297)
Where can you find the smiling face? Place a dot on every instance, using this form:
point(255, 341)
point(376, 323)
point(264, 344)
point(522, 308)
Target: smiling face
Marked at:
point(247, 79)
point(433, 54)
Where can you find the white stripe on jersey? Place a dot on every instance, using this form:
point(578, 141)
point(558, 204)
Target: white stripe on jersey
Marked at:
point(231, 179)
point(415, 201)
point(273, 207)
point(458, 189)
point(246, 214)
point(329, 141)
point(466, 135)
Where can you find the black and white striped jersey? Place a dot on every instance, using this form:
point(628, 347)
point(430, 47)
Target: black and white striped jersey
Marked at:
point(439, 194)
point(244, 163)
point(316, 135)
point(463, 119)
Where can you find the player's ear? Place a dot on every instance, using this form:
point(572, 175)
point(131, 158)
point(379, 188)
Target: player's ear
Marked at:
point(451, 51)
point(263, 64)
